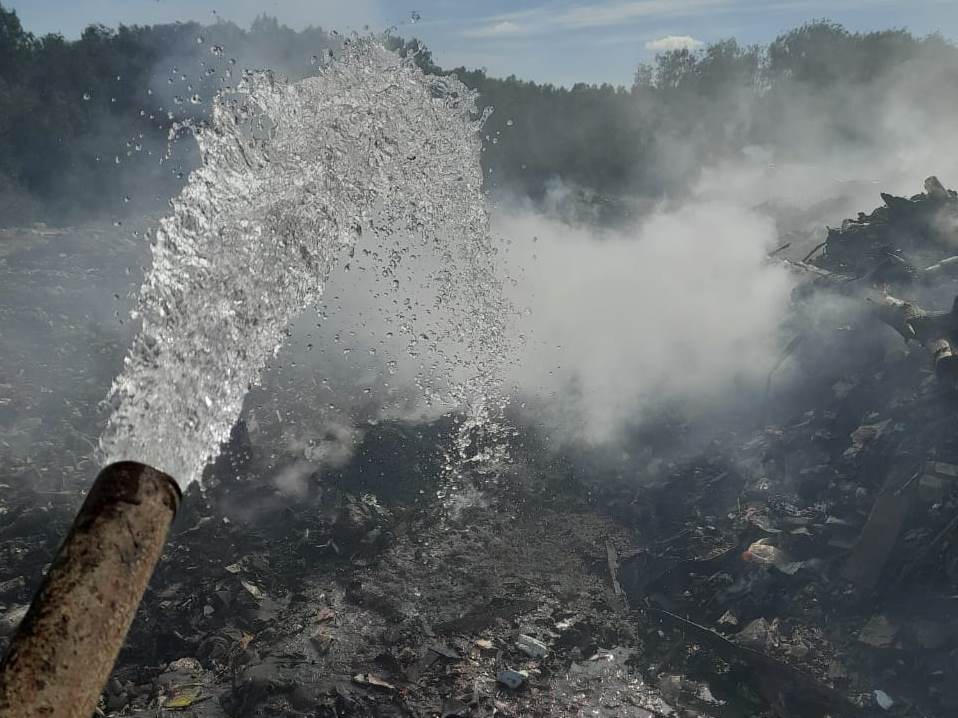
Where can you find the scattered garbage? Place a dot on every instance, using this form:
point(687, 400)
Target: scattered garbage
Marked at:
point(883, 700)
point(511, 679)
point(368, 679)
point(763, 553)
point(253, 590)
point(758, 634)
point(532, 647)
point(878, 632)
point(325, 614)
point(185, 698)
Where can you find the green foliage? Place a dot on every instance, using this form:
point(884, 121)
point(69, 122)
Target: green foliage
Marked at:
point(57, 97)
point(685, 109)
point(818, 83)
point(584, 135)
point(83, 123)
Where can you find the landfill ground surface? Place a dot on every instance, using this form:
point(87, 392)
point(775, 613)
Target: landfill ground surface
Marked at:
point(802, 563)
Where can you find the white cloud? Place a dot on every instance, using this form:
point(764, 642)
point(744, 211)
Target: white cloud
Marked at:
point(564, 15)
point(673, 42)
point(614, 13)
point(499, 29)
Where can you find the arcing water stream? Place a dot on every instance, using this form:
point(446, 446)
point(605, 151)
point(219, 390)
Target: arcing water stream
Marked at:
point(293, 177)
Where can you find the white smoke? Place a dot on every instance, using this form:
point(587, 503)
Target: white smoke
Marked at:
point(682, 306)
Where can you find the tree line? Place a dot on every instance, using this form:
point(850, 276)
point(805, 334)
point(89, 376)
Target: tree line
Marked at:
point(83, 123)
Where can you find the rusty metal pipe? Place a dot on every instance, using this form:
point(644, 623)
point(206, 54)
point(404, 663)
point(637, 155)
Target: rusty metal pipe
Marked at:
point(63, 652)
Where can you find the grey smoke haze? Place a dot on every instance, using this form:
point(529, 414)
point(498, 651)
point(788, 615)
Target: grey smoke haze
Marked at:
point(681, 305)
point(678, 304)
point(885, 131)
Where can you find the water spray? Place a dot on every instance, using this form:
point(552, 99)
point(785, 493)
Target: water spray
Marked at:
point(293, 175)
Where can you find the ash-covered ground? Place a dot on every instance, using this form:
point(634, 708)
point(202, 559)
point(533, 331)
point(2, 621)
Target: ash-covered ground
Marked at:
point(795, 559)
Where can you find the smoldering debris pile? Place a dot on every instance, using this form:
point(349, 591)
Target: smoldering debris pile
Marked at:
point(906, 246)
point(898, 239)
point(802, 565)
point(812, 566)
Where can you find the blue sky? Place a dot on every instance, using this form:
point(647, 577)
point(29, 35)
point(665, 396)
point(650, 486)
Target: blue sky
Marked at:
point(561, 41)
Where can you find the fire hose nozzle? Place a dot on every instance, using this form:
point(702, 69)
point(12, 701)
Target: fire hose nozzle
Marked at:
point(63, 652)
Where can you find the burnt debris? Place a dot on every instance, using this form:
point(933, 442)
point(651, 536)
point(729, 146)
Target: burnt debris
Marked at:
point(797, 564)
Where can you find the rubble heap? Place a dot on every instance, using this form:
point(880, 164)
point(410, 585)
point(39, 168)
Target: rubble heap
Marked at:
point(897, 238)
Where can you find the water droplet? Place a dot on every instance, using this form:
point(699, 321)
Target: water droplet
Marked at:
point(414, 17)
point(509, 123)
point(199, 40)
point(196, 99)
point(86, 96)
point(217, 50)
point(313, 60)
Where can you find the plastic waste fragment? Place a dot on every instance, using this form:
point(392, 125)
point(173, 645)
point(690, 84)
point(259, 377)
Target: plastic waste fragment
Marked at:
point(883, 700)
point(511, 679)
point(532, 647)
point(253, 590)
point(763, 553)
point(185, 699)
point(368, 679)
